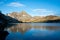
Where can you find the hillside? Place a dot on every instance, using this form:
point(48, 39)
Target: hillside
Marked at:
point(25, 17)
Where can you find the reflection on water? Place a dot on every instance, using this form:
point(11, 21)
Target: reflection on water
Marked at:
point(23, 27)
point(31, 31)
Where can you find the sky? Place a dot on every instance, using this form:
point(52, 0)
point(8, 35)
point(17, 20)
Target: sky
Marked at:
point(32, 7)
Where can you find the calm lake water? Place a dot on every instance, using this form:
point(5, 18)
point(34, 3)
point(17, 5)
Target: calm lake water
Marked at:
point(34, 31)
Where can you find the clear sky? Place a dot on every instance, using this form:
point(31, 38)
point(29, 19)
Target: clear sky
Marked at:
point(32, 7)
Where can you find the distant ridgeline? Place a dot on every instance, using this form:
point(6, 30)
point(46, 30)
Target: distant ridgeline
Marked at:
point(15, 17)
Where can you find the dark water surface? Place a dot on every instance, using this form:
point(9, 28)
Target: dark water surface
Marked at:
point(34, 31)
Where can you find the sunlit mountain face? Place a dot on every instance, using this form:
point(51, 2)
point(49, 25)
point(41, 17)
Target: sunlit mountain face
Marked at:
point(22, 16)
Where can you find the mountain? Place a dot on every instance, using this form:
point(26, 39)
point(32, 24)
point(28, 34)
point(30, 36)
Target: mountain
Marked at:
point(25, 17)
point(22, 16)
point(5, 20)
point(2, 18)
point(52, 17)
point(38, 19)
point(49, 18)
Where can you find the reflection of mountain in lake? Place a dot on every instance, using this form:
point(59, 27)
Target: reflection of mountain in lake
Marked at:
point(23, 27)
point(20, 28)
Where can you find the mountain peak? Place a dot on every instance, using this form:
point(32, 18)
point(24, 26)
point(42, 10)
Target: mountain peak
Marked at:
point(24, 13)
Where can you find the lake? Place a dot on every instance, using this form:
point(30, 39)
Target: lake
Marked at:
point(34, 31)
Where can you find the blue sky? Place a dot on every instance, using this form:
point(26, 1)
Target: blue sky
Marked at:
point(32, 7)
